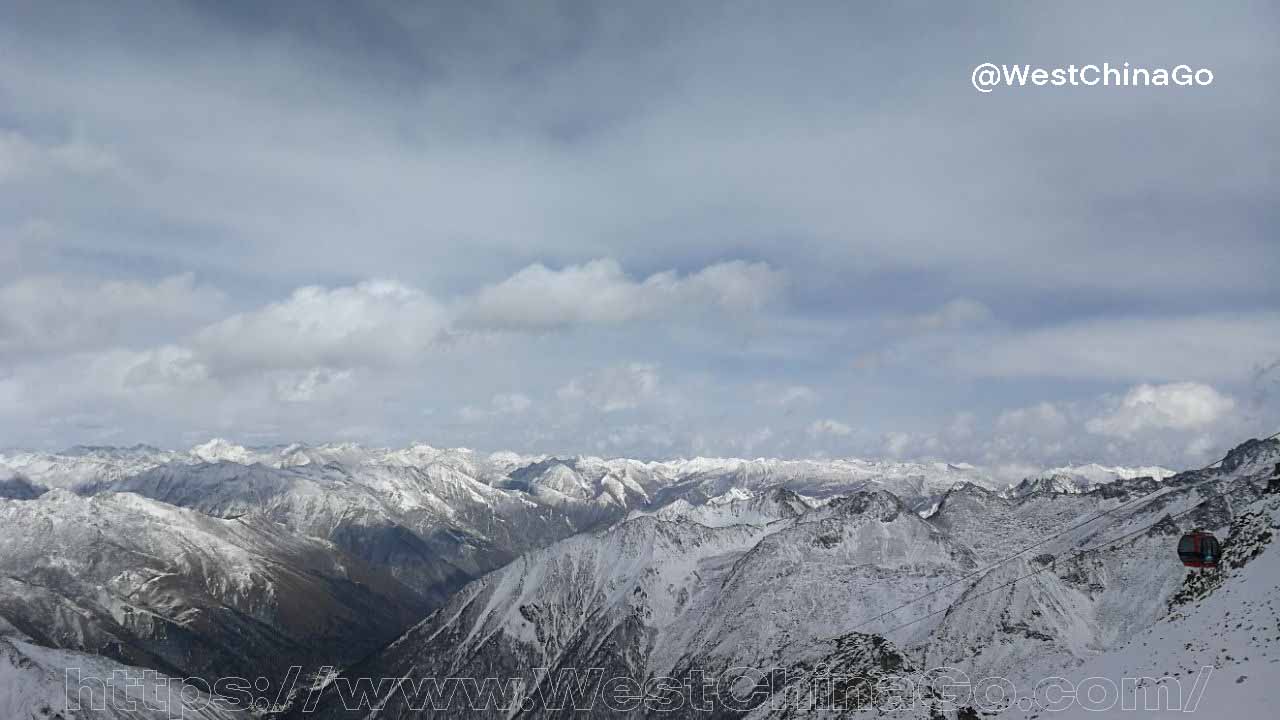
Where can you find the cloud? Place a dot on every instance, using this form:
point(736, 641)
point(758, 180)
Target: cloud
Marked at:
point(830, 428)
point(310, 385)
point(897, 443)
point(962, 425)
point(693, 194)
point(1205, 347)
point(1043, 419)
point(794, 394)
point(165, 368)
point(511, 403)
point(752, 440)
point(1174, 406)
point(1014, 472)
point(371, 324)
point(953, 315)
point(48, 313)
point(782, 395)
point(538, 298)
point(546, 131)
point(613, 389)
point(22, 158)
point(1045, 432)
point(736, 285)
point(499, 405)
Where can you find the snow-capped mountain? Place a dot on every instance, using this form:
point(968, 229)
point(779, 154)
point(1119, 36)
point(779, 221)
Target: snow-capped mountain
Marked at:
point(1099, 474)
point(222, 558)
point(1214, 648)
point(665, 595)
point(82, 465)
point(604, 480)
point(650, 598)
point(1082, 478)
point(916, 483)
point(440, 517)
point(736, 507)
point(40, 682)
point(147, 583)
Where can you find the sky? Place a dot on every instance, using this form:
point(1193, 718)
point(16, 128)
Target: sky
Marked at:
point(746, 229)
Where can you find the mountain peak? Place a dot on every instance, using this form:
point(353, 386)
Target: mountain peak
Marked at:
point(220, 450)
point(1252, 452)
point(879, 504)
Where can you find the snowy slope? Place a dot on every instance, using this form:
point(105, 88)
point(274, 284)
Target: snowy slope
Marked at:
point(1083, 478)
point(641, 568)
point(586, 477)
point(736, 507)
point(83, 465)
point(152, 584)
point(439, 517)
point(650, 597)
point(1080, 603)
point(1216, 652)
point(917, 483)
point(34, 686)
point(679, 591)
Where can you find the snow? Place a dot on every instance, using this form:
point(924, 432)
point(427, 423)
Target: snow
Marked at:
point(1227, 641)
point(219, 450)
point(34, 683)
point(707, 562)
point(747, 577)
point(1099, 474)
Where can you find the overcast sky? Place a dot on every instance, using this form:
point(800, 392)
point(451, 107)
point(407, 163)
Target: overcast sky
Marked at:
point(639, 229)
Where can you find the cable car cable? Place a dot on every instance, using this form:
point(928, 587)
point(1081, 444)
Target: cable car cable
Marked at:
point(1158, 492)
point(1074, 555)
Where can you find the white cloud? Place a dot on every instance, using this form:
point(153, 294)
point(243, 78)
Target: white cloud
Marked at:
point(896, 443)
point(10, 392)
point(1041, 419)
point(829, 427)
point(1200, 447)
point(785, 395)
point(511, 403)
point(955, 314)
point(1175, 406)
point(166, 368)
point(500, 404)
point(1034, 434)
point(375, 323)
point(22, 158)
point(962, 426)
point(1204, 347)
point(735, 285)
point(615, 388)
point(600, 293)
point(47, 313)
point(753, 440)
point(796, 394)
point(1013, 472)
point(310, 385)
point(26, 242)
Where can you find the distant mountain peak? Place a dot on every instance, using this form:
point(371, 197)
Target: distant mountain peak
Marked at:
point(879, 504)
point(220, 450)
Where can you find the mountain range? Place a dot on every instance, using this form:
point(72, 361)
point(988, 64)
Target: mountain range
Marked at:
point(421, 563)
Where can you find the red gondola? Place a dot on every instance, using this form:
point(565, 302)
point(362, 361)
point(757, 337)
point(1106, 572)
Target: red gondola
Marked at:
point(1199, 549)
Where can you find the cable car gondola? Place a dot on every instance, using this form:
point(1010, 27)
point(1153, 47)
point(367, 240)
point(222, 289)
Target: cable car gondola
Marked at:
point(1199, 549)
